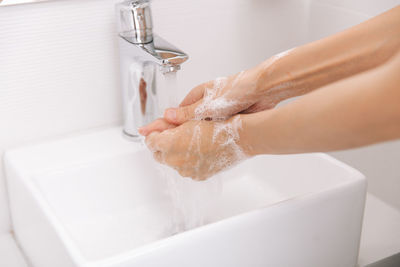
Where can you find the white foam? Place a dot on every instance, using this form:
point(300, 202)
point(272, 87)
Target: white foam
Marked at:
point(231, 151)
point(215, 104)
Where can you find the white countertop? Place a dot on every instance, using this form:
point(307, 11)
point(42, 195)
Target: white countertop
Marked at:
point(381, 231)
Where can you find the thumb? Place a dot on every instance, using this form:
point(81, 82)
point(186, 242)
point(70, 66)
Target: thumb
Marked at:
point(182, 114)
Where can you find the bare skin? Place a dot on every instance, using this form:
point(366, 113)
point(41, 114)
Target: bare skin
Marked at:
point(343, 113)
point(196, 149)
point(300, 71)
point(358, 111)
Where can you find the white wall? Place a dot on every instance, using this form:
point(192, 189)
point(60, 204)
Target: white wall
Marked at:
point(57, 73)
point(58, 60)
point(380, 163)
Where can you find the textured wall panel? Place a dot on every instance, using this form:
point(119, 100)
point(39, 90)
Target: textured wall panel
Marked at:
point(59, 69)
point(57, 72)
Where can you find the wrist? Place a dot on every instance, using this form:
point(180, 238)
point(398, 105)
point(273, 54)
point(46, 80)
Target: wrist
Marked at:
point(252, 138)
point(273, 81)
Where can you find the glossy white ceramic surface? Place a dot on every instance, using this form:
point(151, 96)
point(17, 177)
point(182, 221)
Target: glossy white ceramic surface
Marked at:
point(10, 254)
point(98, 200)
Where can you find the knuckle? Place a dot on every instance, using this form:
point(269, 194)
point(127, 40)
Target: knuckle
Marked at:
point(158, 122)
point(185, 113)
point(152, 142)
point(149, 142)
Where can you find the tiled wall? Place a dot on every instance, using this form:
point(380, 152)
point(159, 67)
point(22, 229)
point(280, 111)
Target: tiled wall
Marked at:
point(58, 59)
point(57, 73)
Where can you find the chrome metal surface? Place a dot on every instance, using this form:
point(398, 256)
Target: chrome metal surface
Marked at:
point(143, 57)
point(135, 21)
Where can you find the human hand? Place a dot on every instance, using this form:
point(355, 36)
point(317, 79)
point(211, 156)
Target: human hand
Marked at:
point(222, 98)
point(198, 149)
point(250, 91)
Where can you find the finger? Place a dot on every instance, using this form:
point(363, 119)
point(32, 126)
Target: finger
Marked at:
point(158, 156)
point(216, 109)
point(200, 178)
point(195, 94)
point(184, 173)
point(181, 115)
point(158, 125)
point(152, 142)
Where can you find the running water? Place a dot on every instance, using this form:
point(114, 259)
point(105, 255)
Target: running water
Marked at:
point(191, 200)
point(169, 91)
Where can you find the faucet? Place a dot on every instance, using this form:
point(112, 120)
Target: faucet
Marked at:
point(144, 58)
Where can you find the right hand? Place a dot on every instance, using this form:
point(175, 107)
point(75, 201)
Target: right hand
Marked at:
point(199, 149)
point(222, 98)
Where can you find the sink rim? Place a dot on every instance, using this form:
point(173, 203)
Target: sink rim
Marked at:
point(11, 160)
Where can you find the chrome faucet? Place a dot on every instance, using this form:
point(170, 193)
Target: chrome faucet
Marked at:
point(143, 55)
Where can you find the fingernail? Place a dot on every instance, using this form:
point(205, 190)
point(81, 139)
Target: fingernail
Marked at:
point(142, 130)
point(170, 114)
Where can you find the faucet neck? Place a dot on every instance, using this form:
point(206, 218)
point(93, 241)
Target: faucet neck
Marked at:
point(135, 21)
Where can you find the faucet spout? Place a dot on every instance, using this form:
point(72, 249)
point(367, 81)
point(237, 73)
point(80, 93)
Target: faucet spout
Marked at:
point(160, 52)
point(142, 55)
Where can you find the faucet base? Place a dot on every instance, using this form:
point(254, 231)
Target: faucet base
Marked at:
point(132, 137)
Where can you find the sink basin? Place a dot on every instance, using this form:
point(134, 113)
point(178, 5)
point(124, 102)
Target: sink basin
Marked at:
point(98, 200)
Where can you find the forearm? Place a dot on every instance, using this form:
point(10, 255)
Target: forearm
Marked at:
point(357, 111)
point(319, 63)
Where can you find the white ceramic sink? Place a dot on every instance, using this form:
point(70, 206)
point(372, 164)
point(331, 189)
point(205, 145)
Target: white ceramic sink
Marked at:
point(99, 200)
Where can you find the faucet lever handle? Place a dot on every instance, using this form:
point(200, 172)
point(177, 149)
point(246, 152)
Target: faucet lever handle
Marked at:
point(135, 21)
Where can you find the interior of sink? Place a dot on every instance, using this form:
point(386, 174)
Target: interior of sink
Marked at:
point(114, 205)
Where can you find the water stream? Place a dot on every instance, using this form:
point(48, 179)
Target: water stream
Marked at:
point(190, 199)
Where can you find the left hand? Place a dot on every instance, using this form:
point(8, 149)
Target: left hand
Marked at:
point(245, 92)
point(198, 149)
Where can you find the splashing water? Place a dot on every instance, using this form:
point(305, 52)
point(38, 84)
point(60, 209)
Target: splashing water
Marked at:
point(191, 201)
